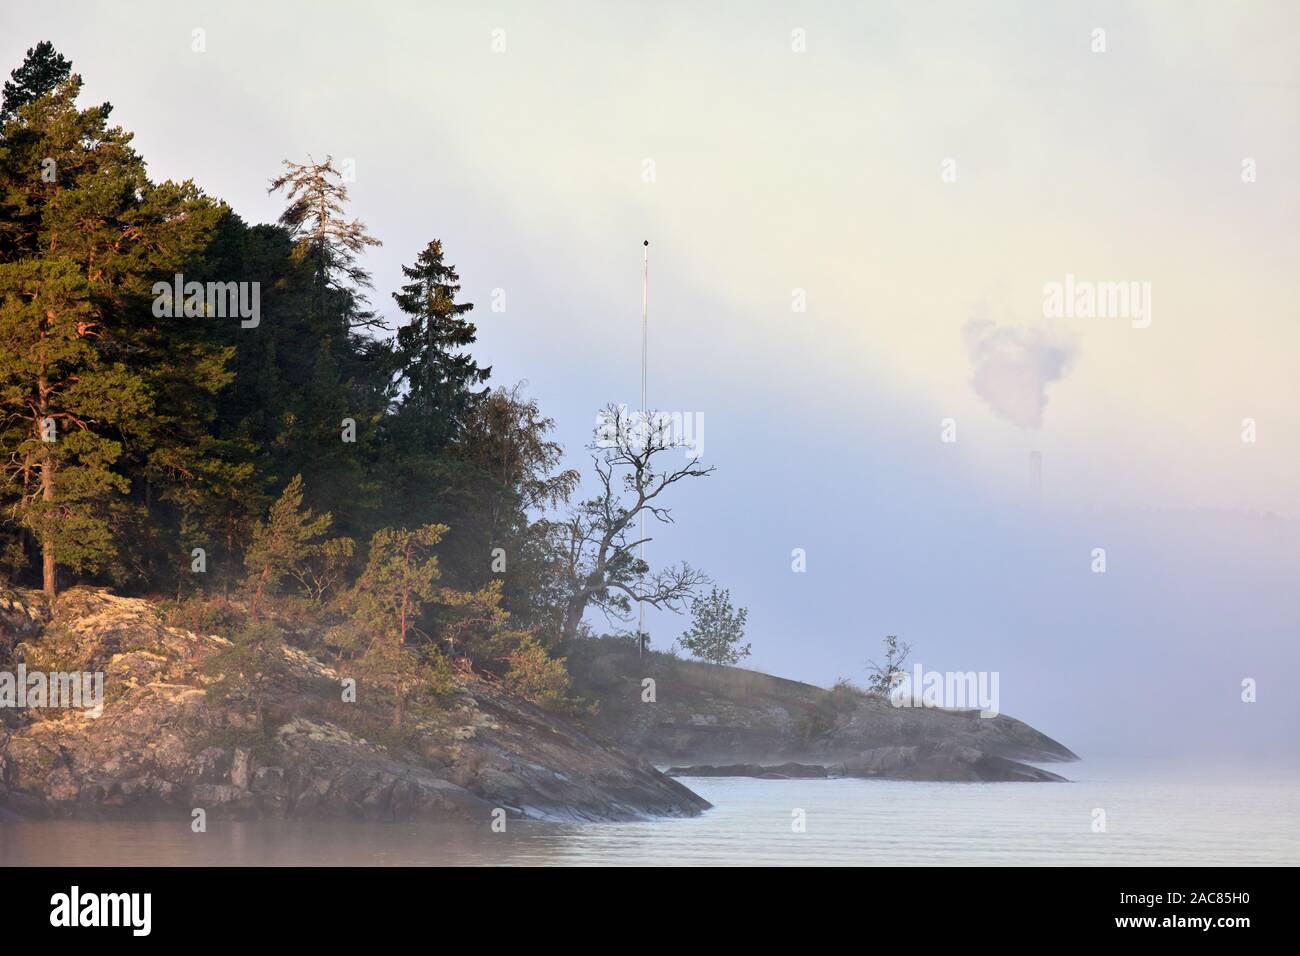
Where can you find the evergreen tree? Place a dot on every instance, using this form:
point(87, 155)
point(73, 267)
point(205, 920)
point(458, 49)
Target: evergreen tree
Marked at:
point(385, 608)
point(60, 400)
point(440, 377)
point(506, 472)
point(324, 237)
point(41, 71)
point(474, 623)
point(130, 395)
point(283, 544)
point(346, 374)
point(131, 433)
point(250, 665)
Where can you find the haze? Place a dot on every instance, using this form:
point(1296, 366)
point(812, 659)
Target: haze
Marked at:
point(826, 173)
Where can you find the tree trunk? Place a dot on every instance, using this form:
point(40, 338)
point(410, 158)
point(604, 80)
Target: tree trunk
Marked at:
point(257, 593)
point(406, 587)
point(48, 569)
point(50, 582)
point(573, 612)
point(47, 544)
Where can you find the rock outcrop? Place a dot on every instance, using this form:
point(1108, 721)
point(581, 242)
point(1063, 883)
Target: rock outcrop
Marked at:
point(165, 746)
point(950, 763)
point(705, 715)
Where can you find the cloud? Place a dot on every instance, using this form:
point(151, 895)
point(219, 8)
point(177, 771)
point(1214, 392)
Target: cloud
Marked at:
point(1013, 366)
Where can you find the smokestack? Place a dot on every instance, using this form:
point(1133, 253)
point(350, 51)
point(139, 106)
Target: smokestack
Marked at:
point(1036, 475)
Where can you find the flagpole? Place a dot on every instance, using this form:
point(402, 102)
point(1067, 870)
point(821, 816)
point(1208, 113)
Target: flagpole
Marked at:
point(645, 301)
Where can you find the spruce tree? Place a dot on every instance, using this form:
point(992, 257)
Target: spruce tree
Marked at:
point(325, 237)
point(440, 376)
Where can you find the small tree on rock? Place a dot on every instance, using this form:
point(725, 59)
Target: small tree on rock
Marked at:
point(716, 630)
point(882, 679)
point(385, 606)
point(249, 665)
point(288, 544)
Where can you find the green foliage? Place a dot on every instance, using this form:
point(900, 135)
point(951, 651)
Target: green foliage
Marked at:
point(399, 580)
point(412, 677)
point(203, 615)
point(716, 629)
point(440, 376)
point(60, 398)
point(883, 678)
point(175, 433)
point(384, 608)
point(84, 235)
point(249, 665)
point(536, 675)
point(43, 69)
point(289, 544)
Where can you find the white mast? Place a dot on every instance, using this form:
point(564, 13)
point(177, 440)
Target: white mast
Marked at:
point(645, 301)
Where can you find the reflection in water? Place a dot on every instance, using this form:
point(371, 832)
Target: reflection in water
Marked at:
point(1152, 817)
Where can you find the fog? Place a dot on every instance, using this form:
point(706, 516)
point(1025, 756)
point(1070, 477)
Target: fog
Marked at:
point(820, 172)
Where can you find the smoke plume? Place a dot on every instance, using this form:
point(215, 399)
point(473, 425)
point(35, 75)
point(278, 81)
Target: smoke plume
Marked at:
point(1013, 366)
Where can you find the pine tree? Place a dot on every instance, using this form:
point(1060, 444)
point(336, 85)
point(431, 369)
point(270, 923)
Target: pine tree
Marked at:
point(346, 373)
point(385, 608)
point(284, 543)
point(41, 71)
point(60, 398)
point(129, 395)
point(250, 665)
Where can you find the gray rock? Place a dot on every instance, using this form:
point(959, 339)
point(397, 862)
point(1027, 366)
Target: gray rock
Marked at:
point(706, 715)
point(165, 746)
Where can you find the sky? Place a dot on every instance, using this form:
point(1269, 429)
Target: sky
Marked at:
point(855, 213)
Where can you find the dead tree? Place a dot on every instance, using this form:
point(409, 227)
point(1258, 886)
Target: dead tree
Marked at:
point(596, 546)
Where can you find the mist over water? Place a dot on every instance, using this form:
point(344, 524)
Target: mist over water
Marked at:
point(1163, 812)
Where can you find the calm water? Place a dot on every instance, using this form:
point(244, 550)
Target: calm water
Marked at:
point(1154, 815)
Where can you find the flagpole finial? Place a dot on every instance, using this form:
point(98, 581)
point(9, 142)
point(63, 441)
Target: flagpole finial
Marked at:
point(646, 243)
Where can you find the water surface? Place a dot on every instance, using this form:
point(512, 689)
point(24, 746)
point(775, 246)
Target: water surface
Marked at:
point(1154, 814)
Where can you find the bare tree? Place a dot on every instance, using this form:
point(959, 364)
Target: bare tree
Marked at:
point(596, 545)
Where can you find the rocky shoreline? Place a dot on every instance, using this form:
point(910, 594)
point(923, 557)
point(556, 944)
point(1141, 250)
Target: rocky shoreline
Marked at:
point(163, 748)
point(706, 717)
point(948, 763)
